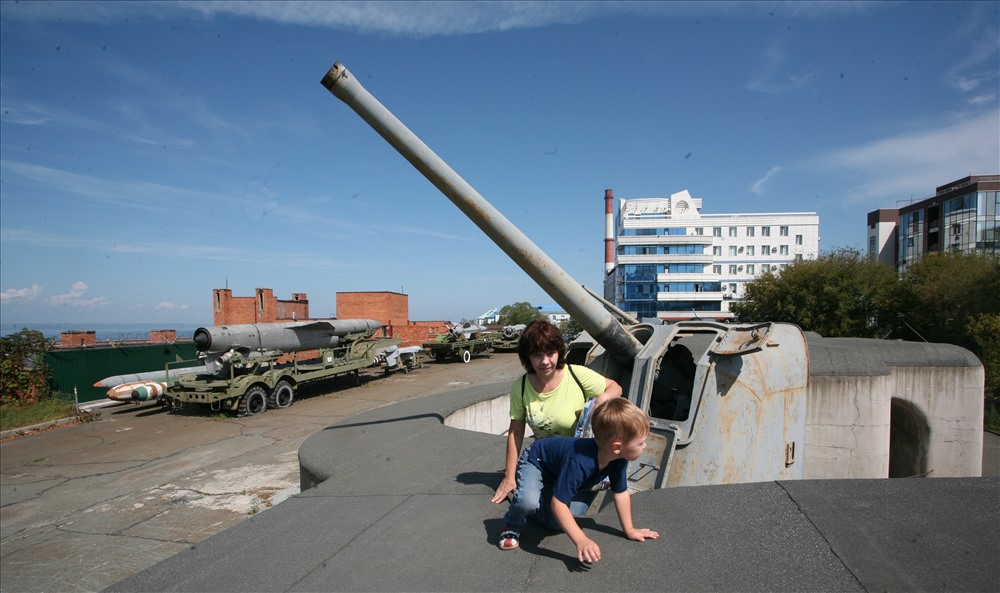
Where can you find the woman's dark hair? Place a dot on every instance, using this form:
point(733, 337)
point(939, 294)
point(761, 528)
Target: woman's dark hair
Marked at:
point(540, 336)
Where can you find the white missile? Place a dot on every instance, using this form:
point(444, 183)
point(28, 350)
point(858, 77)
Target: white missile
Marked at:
point(284, 337)
point(146, 391)
point(151, 376)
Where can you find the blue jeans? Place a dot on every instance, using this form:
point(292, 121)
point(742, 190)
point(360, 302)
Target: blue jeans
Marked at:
point(533, 498)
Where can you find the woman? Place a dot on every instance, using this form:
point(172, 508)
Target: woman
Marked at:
point(547, 397)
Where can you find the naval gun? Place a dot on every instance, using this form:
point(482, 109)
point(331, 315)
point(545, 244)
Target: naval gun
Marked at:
point(727, 403)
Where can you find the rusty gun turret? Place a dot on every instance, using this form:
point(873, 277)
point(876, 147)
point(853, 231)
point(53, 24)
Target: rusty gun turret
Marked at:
point(726, 402)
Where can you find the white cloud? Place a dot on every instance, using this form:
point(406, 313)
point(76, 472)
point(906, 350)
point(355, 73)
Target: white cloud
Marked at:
point(912, 165)
point(15, 294)
point(168, 306)
point(758, 186)
point(75, 297)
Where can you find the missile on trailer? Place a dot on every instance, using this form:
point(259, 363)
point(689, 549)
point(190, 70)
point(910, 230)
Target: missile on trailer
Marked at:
point(151, 376)
point(137, 391)
point(285, 337)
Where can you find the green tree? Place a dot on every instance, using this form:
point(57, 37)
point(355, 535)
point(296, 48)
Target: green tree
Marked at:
point(840, 294)
point(24, 376)
point(570, 327)
point(517, 313)
point(944, 292)
point(985, 330)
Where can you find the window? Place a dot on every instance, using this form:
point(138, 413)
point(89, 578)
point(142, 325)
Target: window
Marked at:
point(732, 231)
point(750, 249)
point(699, 231)
point(749, 231)
point(732, 288)
point(765, 250)
point(798, 239)
point(732, 268)
point(717, 231)
point(717, 250)
point(783, 250)
point(765, 231)
point(783, 231)
point(798, 257)
point(717, 269)
point(732, 250)
point(765, 268)
point(750, 269)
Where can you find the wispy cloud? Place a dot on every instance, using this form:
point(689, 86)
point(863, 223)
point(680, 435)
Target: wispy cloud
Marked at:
point(912, 165)
point(776, 76)
point(758, 186)
point(258, 201)
point(184, 250)
point(978, 66)
point(421, 19)
point(20, 294)
point(76, 297)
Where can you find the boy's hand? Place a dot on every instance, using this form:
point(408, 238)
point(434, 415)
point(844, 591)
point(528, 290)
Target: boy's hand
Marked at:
point(506, 487)
point(641, 535)
point(588, 551)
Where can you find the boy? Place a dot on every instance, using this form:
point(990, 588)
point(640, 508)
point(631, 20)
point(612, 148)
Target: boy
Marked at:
point(552, 471)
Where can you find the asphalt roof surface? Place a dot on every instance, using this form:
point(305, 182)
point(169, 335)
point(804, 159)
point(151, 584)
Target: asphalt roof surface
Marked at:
point(404, 505)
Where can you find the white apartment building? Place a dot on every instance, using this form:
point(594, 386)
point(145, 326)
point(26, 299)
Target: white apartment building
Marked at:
point(672, 262)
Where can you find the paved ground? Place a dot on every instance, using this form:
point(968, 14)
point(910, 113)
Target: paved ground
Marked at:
point(85, 506)
point(402, 503)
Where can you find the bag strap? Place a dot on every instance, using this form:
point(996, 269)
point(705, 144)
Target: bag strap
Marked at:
point(578, 384)
point(524, 378)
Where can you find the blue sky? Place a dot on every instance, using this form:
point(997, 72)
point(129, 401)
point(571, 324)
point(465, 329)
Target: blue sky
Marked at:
point(154, 151)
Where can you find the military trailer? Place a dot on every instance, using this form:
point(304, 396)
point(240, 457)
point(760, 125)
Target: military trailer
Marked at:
point(252, 374)
point(447, 346)
point(509, 338)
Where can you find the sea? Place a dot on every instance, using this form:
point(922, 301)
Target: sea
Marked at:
point(104, 331)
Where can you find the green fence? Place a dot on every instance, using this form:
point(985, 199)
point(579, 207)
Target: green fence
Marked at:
point(80, 368)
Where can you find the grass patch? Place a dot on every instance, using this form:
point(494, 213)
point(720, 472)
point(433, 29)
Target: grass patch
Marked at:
point(14, 415)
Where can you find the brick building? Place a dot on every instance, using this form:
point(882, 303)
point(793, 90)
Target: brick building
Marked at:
point(263, 307)
point(391, 309)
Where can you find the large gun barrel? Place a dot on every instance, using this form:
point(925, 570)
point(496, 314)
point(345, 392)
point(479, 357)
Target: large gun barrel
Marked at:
point(592, 316)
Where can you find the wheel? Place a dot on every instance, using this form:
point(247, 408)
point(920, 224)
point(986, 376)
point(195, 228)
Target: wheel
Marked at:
point(253, 402)
point(282, 395)
point(466, 356)
point(406, 369)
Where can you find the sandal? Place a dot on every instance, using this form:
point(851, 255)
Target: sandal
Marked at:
point(509, 539)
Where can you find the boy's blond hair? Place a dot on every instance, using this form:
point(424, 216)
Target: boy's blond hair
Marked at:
point(618, 419)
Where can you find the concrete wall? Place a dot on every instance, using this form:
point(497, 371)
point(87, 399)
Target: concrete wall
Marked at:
point(951, 400)
point(882, 409)
point(874, 409)
point(847, 427)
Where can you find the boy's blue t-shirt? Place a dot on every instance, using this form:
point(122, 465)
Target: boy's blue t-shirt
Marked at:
point(569, 465)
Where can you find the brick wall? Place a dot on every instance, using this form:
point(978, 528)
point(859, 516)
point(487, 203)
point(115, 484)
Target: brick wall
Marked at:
point(263, 307)
point(77, 338)
point(389, 308)
point(163, 336)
